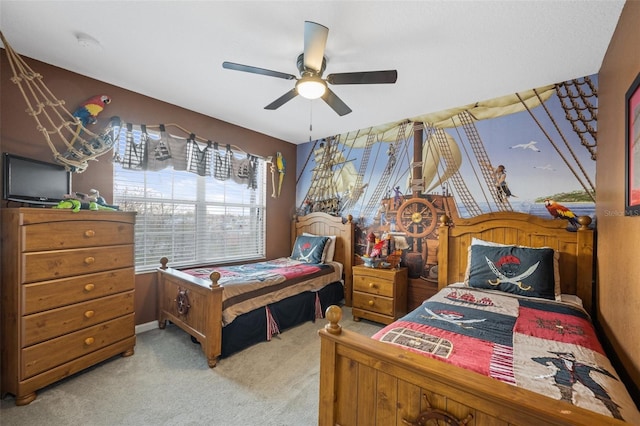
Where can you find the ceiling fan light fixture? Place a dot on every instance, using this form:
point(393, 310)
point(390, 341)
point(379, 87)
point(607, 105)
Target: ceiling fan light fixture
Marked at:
point(311, 87)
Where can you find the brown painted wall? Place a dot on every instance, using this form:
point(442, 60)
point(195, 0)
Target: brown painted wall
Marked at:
point(618, 269)
point(18, 135)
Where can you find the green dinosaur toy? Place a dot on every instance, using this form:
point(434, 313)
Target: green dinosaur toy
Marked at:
point(74, 205)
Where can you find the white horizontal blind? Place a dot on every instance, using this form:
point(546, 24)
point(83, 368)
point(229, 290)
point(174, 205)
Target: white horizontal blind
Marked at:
point(191, 219)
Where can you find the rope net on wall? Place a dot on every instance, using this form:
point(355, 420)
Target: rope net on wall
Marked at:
point(61, 129)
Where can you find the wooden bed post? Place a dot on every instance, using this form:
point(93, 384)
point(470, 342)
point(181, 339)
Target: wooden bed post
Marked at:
point(585, 255)
point(327, 407)
point(443, 249)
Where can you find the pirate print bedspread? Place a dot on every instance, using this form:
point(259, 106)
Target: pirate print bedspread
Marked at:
point(542, 345)
point(254, 285)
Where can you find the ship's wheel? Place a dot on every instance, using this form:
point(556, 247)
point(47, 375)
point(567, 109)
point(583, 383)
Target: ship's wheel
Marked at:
point(182, 302)
point(417, 217)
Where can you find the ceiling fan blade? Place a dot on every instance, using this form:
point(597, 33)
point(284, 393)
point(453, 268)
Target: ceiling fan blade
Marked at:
point(315, 40)
point(282, 99)
point(366, 77)
point(256, 70)
point(336, 103)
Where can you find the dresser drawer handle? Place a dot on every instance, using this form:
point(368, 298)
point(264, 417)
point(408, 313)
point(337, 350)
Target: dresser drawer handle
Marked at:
point(89, 287)
point(89, 260)
point(372, 285)
point(371, 303)
point(89, 341)
point(89, 233)
point(89, 314)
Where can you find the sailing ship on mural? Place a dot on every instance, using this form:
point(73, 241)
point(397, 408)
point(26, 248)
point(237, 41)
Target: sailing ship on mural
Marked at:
point(399, 179)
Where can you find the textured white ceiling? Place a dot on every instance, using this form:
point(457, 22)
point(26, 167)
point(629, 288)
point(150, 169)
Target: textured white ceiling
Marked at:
point(447, 53)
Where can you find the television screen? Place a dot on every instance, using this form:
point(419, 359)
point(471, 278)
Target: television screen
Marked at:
point(34, 182)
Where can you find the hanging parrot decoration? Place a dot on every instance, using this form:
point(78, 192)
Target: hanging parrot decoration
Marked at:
point(88, 111)
point(85, 114)
point(559, 211)
point(280, 164)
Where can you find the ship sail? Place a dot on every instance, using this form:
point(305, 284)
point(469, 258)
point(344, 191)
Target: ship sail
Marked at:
point(344, 173)
point(432, 157)
point(492, 108)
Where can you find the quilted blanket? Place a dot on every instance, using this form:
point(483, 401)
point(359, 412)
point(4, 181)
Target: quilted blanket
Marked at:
point(254, 285)
point(545, 346)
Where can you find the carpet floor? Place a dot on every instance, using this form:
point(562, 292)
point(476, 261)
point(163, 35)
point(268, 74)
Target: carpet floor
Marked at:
point(168, 382)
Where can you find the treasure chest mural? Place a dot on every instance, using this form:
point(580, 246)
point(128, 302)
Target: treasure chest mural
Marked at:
point(531, 151)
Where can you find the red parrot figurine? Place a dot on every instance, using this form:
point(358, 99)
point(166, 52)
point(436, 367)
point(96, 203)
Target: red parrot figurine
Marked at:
point(559, 211)
point(89, 110)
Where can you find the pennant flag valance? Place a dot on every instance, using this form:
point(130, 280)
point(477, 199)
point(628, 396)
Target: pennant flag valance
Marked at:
point(143, 149)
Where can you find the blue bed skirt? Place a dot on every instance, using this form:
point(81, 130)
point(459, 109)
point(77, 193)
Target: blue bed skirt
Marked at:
point(250, 328)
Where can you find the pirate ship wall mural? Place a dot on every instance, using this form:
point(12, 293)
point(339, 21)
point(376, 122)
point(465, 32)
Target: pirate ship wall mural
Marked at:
point(532, 152)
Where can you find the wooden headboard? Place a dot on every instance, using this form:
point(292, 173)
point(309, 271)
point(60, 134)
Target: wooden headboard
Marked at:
point(323, 224)
point(575, 248)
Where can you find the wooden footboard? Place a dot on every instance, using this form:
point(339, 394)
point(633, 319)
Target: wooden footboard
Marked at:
point(194, 305)
point(366, 382)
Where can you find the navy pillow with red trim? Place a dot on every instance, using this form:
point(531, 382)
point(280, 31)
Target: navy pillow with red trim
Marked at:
point(309, 249)
point(512, 269)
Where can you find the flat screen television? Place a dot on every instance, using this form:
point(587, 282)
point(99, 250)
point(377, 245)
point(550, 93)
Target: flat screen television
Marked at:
point(33, 181)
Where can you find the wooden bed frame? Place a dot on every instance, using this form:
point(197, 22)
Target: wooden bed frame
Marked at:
point(195, 304)
point(367, 382)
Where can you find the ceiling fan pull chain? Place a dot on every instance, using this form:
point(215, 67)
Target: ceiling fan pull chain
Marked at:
point(310, 119)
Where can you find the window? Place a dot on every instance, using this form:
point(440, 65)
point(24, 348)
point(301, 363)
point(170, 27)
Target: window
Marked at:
point(188, 218)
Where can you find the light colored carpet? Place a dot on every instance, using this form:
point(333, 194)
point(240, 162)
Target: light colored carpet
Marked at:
point(167, 382)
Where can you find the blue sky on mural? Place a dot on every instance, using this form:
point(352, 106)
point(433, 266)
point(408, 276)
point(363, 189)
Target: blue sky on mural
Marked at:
point(531, 173)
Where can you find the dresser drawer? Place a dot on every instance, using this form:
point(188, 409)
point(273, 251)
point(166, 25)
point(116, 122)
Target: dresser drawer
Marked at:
point(48, 265)
point(46, 355)
point(45, 295)
point(75, 234)
point(373, 303)
point(56, 322)
point(372, 284)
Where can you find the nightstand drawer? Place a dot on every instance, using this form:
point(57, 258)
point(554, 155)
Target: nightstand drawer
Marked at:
point(56, 322)
point(371, 284)
point(373, 303)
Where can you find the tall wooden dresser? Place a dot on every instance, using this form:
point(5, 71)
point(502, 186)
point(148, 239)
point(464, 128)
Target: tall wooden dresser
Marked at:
point(67, 294)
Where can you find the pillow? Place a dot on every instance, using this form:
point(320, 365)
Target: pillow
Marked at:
point(329, 248)
point(524, 271)
point(556, 262)
point(309, 249)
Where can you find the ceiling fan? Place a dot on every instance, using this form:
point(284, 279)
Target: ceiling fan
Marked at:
point(311, 64)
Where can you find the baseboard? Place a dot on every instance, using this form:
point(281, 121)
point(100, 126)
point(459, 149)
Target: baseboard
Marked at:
point(148, 326)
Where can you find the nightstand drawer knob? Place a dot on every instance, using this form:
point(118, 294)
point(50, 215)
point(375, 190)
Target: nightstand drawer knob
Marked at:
point(89, 314)
point(372, 285)
point(89, 287)
point(89, 260)
point(371, 303)
point(89, 233)
point(89, 341)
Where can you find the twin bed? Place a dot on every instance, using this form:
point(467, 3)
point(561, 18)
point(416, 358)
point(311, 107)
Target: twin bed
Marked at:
point(227, 309)
point(484, 356)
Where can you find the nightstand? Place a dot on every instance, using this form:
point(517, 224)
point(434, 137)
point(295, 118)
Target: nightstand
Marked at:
point(379, 295)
